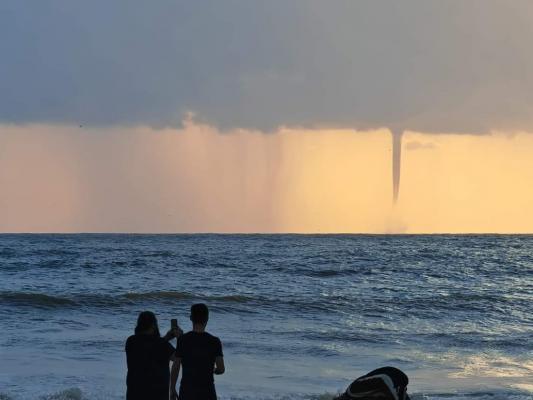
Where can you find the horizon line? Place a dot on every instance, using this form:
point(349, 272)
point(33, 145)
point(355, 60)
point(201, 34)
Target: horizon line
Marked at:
point(276, 233)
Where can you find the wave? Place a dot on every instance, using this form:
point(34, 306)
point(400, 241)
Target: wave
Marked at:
point(368, 307)
point(156, 295)
point(35, 299)
point(172, 295)
point(41, 300)
point(503, 394)
point(77, 394)
point(68, 394)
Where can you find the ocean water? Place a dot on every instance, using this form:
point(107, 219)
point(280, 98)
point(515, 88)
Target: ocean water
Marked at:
point(299, 316)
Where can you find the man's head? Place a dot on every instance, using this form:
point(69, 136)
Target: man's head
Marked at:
point(199, 314)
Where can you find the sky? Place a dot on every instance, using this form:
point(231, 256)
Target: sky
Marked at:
point(252, 116)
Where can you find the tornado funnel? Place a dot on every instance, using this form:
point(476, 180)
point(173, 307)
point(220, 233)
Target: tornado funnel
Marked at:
point(396, 163)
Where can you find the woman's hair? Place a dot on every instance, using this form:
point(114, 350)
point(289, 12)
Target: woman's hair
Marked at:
point(146, 321)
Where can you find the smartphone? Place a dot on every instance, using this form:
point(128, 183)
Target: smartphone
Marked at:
point(173, 323)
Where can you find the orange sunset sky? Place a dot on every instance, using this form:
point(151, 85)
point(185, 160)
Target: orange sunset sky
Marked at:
point(197, 179)
point(273, 116)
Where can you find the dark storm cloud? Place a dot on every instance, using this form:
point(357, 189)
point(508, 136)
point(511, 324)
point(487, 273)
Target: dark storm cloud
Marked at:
point(433, 66)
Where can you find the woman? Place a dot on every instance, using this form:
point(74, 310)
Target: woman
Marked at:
point(148, 356)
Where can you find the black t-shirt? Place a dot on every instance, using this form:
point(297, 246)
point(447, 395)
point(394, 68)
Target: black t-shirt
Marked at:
point(198, 352)
point(148, 359)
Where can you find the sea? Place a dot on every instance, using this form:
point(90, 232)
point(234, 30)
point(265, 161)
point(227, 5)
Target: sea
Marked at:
point(299, 316)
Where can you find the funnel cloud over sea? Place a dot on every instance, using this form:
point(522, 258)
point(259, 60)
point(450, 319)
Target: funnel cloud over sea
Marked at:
point(396, 164)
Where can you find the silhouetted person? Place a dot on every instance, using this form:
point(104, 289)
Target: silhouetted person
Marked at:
point(387, 383)
point(148, 356)
point(200, 354)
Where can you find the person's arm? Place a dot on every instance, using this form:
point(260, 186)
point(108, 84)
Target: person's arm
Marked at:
point(219, 358)
point(173, 333)
point(219, 365)
point(169, 335)
point(174, 378)
point(127, 350)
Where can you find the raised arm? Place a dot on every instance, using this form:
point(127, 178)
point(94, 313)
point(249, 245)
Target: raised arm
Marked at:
point(173, 333)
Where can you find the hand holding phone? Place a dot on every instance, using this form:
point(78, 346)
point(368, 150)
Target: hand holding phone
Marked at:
point(174, 328)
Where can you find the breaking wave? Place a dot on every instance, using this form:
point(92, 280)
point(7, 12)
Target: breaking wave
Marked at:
point(77, 394)
point(40, 300)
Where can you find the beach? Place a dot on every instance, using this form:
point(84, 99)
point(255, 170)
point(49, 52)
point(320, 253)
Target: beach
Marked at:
point(300, 316)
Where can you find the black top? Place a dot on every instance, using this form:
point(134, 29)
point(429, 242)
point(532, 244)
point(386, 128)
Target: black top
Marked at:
point(198, 352)
point(148, 359)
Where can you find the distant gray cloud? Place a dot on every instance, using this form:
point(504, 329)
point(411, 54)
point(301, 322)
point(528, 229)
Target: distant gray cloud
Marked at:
point(432, 66)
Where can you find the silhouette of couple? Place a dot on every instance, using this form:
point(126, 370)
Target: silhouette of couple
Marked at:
point(198, 354)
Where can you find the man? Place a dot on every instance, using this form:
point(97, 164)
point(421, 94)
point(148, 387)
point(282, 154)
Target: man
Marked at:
point(200, 355)
point(147, 356)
